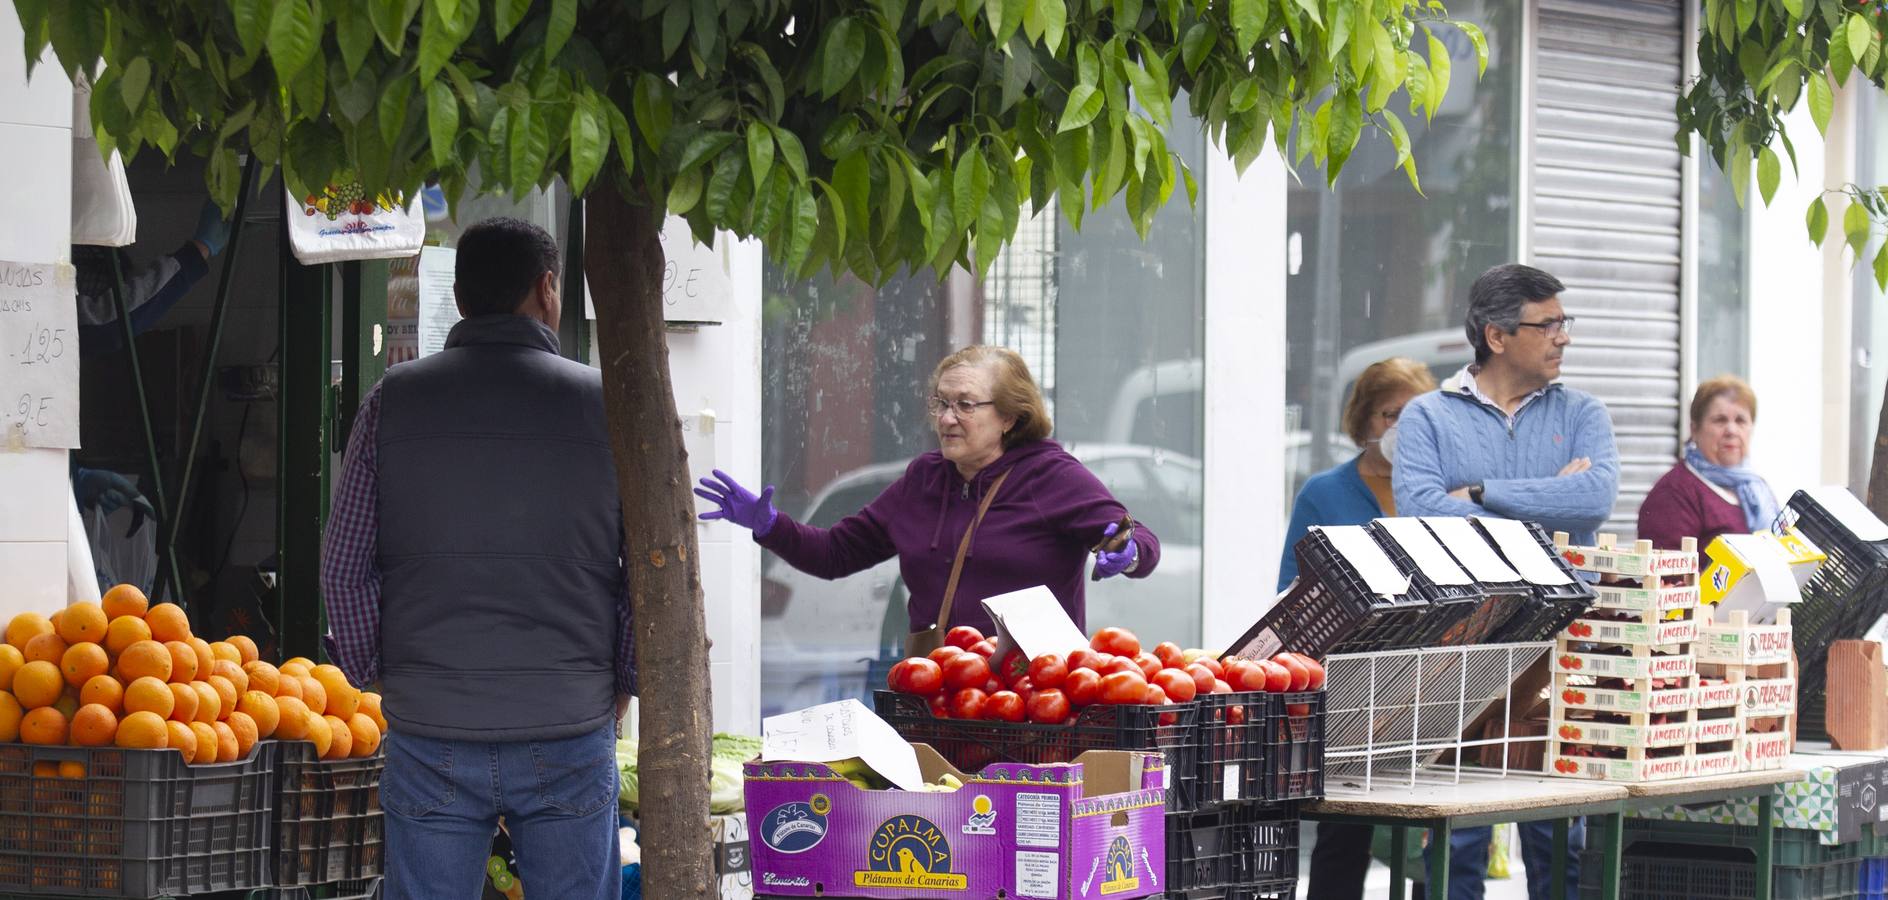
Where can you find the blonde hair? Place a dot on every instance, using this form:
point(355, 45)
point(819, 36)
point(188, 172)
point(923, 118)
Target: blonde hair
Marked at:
point(1384, 378)
point(1012, 388)
point(1730, 386)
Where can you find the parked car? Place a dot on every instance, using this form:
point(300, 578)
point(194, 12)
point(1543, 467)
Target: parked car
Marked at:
point(828, 640)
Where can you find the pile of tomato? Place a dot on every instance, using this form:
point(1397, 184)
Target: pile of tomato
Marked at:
point(960, 680)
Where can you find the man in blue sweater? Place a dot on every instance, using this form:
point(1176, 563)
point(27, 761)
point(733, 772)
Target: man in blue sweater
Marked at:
point(1505, 438)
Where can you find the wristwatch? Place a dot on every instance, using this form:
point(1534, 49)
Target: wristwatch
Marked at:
point(1475, 494)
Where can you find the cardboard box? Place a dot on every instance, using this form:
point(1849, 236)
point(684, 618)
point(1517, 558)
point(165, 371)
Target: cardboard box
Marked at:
point(1089, 829)
point(1758, 573)
point(1857, 696)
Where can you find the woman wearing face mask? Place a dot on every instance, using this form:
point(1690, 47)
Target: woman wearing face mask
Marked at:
point(1711, 492)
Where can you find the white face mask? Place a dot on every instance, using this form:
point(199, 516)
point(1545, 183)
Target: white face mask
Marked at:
point(1387, 444)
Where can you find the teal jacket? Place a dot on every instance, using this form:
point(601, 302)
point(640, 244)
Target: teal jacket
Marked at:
point(1335, 496)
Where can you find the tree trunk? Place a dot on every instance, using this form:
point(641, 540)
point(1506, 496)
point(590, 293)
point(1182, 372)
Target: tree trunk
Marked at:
point(623, 255)
point(1878, 467)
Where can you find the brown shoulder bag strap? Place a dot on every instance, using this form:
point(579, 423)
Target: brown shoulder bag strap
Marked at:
point(963, 549)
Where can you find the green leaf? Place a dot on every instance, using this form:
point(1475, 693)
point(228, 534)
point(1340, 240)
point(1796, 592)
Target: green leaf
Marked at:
point(1746, 14)
point(653, 109)
point(353, 32)
point(840, 54)
point(252, 23)
point(530, 147)
point(1311, 8)
point(760, 153)
point(1055, 21)
point(675, 16)
point(791, 151)
point(993, 11)
point(1193, 187)
point(1439, 66)
point(685, 192)
point(1822, 102)
point(1083, 106)
point(1416, 84)
point(625, 139)
point(354, 98)
point(589, 144)
point(703, 146)
point(133, 80)
point(440, 37)
point(1197, 43)
point(804, 223)
point(391, 109)
point(720, 190)
point(1087, 65)
point(1740, 172)
point(1248, 23)
point(852, 181)
point(294, 35)
point(1399, 136)
point(558, 28)
point(1881, 267)
point(1769, 171)
point(1341, 138)
point(392, 18)
point(1032, 20)
point(1818, 220)
point(1795, 9)
point(969, 185)
point(1860, 35)
point(1855, 223)
point(1841, 61)
point(506, 14)
point(1480, 41)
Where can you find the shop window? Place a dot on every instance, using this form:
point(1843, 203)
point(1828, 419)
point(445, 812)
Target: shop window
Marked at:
point(1869, 323)
point(1723, 317)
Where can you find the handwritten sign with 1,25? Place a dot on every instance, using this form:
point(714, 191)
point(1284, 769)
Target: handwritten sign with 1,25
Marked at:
point(39, 356)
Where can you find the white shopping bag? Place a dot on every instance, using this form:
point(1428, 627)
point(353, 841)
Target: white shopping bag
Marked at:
point(102, 212)
point(340, 225)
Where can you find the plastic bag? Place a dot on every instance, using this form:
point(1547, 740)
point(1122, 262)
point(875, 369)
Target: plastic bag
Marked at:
point(340, 225)
point(119, 558)
point(1500, 848)
point(102, 212)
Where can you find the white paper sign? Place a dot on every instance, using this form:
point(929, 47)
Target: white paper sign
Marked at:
point(1034, 621)
point(1422, 548)
point(1361, 551)
point(695, 282)
point(439, 311)
point(1471, 550)
point(834, 731)
point(1850, 512)
point(39, 356)
point(1523, 551)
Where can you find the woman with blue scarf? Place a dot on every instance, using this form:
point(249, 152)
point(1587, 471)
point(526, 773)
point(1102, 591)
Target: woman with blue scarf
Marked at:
point(1711, 492)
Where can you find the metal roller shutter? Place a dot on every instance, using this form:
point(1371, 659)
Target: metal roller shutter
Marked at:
point(1606, 198)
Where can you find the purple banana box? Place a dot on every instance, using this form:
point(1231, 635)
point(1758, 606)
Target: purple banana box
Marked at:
point(1093, 828)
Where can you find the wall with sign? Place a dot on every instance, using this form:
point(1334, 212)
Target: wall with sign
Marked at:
point(35, 167)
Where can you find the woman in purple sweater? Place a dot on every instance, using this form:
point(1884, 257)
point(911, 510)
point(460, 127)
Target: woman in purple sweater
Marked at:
point(1711, 492)
point(993, 434)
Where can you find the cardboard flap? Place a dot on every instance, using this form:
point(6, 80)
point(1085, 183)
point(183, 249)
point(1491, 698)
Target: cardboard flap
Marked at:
point(1523, 552)
point(1355, 545)
point(834, 731)
point(1433, 561)
point(1034, 621)
point(1110, 772)
point(1849, 512)
point(1471, 550)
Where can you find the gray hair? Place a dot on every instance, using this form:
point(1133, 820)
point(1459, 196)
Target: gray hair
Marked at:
point(1497, 297)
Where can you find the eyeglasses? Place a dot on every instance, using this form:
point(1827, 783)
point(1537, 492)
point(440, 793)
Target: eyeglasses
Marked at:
point(1390, 415)
point(963, 408)
point(1551, 327)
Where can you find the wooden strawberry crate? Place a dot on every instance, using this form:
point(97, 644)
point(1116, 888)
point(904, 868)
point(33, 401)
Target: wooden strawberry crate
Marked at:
point(1641, 663)
point(1637, 598)
point(1641, 697)
point(1638, 733)
point(1638, 767)
point(1660, 633)
point(1639, 560)
point(1716, 695)
point(1764, 750)
point(1738, 642)
point(1718, 729)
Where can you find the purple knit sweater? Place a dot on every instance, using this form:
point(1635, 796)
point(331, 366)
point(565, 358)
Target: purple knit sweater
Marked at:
point(1681, 505)
point(1038, 531)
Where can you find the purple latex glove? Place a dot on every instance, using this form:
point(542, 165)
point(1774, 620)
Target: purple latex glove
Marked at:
point(738, 504)
point(1107, 564)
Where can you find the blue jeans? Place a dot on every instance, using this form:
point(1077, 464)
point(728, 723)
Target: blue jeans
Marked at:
point(1468, 859)
point(442, 800)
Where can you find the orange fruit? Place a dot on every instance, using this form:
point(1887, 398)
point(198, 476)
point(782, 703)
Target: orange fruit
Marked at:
point(45, 768)
point(292, 722)
point(226, 650)
point(320, 733)
point(143, 731)
point(206, 743)
point(71, 769)
point(183, 662)
point(261, 709)
point(44, 725)
point(25, 626)
point(57, 616)
point(185, 707)
point(370, 705)
point(10, 716)
point(105, 691)
point(38, 684)
point(336, 683)
point(11, 659)
point(244, 647)
point(296, 669)
point(82, 662)
point(205, 659)
point(49, 647)
point(302, 661)
point(125, 631)
point(209, 702)
point(225, 742)
point(290, 686)
point(145, 658)
point(233, 672)
point(82, 622)
point(94, 726)
point(168, 622)
point(342, 742)
point(182, 740)
point(125, 600)
point(262, 677)
point(366, 735)
point(148, 694)
point(245, 730)
point(314, 695)
point(68, 703)
point(225, 695)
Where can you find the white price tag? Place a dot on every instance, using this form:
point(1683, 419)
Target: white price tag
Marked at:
point(39, 356)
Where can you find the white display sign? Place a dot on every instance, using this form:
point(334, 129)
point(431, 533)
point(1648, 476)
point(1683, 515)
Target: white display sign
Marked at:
point(39, 354)
point(1422, 548)
point(834, 731)
point(1362, 552)
point(695, 283)
point(1523, 551)
point(438, 309)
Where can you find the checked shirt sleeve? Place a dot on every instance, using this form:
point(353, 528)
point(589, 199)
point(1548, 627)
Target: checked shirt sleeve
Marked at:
point(625, 637)
point(350, 572)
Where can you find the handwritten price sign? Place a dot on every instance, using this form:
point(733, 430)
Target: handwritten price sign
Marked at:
point(39, 356)
point(695, 283)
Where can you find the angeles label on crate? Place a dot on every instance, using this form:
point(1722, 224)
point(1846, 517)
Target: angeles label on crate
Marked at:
point(1603, 631)
point(1717, 696)
point(1711, 731)
point(1626, 701)
point(1615, 561)
point(1643, 599)
point(1673, 665)
point(1716, 763)
point(1765, 751)
point(1661, 769)
point(1676, 734)
point(1768, 697)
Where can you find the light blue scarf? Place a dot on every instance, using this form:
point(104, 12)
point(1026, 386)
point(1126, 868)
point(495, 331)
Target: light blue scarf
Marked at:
point(1753, 493)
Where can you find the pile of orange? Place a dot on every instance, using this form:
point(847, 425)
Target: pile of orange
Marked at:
point(124, 673)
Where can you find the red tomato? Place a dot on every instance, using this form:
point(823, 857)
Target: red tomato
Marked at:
point(943, 654)
point(1300, 675)
point(963, 637)
point(1085, 658)
point(1049, 707)
point(940, 706)
point(966, 670)
point(1025, 686)
point(1123, 664)
point(1118, 641)
point(1235, 715)
point(1315, 668)
point(1277, 677)
point(1203, 678)
point(1048, 671)
point(1121, 688)
point(1297, 710)
point(1221, 687)
point(1244, 675)
point(1168, 719)
point(917, 676)
point(1014, 665)
point(1148, 662)
point(1004, 706)
point(1083, 687)
point(1176, 684)
point(1169, 654)
point(992, 685)
point(1214, 666)
point(983, 648)
point(968, 704)
point(896, 677)
point(1152, 695)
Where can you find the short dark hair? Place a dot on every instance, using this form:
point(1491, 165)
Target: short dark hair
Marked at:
point(1496, 299)
point(498, 262)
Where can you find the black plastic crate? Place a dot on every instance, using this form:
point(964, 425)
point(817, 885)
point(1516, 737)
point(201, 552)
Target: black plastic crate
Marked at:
point(1170, 730)
point(1844, 597)
point(1294, 747)
point(1259, 746)
point(328, 825)
point(1662, 871)
point(1537, 619)
point(1242, 845)
point(1322, 610)
point(1577, 590)
point(355, 889)
point(1441, 609)
point(132, 823)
